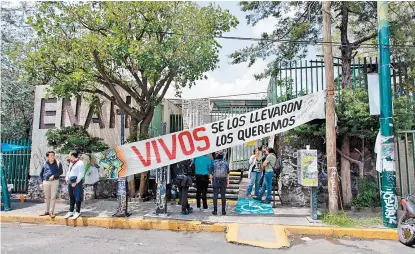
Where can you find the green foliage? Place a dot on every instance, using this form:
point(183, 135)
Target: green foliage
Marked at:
point(353, 115)
point(343, 220)
point(74, 138)
point(403, 113)
point(368, 194)
point(353, 119)
point(312, 133)
point(138, 48)
point(304, 23)
point(17, 95)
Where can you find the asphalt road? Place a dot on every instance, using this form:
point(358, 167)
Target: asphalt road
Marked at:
point(29, 238)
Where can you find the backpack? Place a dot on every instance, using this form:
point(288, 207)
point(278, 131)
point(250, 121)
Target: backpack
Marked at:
point(220, 169)
point(277, 167)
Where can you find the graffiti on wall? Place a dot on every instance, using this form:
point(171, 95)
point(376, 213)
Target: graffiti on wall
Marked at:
point(38, 158)
point(391, 205)
point(111, 161)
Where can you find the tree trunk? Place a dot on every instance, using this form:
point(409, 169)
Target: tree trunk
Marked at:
point(345, 172)
point(347, 81)
point(346, 48)
point(133, 135)
point(144, 128)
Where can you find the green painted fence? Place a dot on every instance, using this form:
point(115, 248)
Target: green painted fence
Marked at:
point(406, 158)
point(298, 78)
point(16, 165)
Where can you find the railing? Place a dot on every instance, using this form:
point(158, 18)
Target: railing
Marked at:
point(406, 159)
point(298, 78)
point(16, 165)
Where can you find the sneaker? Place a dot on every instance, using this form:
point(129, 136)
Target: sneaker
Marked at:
point(184, 213)
point(69, 214)
point(190, 210)
point(215, 213)
point(265, 202)
point(76, 215)
point(44, 214)
point(52, 215)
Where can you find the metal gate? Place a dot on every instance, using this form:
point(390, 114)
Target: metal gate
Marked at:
point(405, 167)
point(16, 165)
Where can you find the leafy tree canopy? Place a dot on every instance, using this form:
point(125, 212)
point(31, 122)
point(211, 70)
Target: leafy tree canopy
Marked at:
point(141, 48)
point(354, 22)
point(17, 95)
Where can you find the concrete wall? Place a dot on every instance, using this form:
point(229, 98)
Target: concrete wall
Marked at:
point(103, 122)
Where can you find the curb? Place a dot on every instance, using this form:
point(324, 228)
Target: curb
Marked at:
point(195, 226)
point(367, 233)
point(120, 223)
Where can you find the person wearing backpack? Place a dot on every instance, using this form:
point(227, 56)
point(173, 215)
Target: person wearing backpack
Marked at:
point(219, 178)
point(183, 180)
point(269, 164)
point(254, 173)
point(49, 181)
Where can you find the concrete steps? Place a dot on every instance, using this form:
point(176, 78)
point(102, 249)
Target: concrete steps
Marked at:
point(210, 196)
point(231, 192)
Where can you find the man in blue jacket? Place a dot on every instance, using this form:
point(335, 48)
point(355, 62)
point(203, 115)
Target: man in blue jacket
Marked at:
point(49, 181)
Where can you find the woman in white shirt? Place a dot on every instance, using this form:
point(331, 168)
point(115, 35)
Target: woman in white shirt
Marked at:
point(254, 172)
point(74, 179)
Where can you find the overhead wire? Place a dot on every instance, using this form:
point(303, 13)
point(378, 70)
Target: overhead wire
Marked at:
point(307, 42)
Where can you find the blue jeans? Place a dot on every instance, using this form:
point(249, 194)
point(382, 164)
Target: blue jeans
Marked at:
point(255, 178)
point(266, 185)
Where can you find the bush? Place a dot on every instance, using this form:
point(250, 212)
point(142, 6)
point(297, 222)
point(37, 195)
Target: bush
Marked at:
point(74, 138)
point(368, 195)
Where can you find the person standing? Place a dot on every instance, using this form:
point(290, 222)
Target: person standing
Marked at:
point(202, 169)
point(264, 156)
point(255, 166)
point(49, 181)
point(219, 178)
point(183, 174)
point(269, 165)
point(74, 179)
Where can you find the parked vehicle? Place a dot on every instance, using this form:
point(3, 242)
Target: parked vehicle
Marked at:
point(406, 225)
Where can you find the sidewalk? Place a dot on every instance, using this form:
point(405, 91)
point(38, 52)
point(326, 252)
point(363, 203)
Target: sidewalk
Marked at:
point(106, 208)
point(242, 229)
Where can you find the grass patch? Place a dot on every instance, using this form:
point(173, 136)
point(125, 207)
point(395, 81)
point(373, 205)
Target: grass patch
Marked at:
point(343, 220)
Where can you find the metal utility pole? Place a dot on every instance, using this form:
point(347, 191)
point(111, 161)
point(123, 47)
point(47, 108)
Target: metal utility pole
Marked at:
point(330, 114)
point(388, 178)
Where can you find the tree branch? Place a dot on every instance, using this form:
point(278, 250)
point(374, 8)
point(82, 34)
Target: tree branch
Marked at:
point(369, 37)
point(359, 152)
point(108, 84)
point(348, 158)
point(100, 92)
point(166, 87)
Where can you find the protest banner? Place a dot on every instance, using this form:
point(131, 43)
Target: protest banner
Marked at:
point(157, 152)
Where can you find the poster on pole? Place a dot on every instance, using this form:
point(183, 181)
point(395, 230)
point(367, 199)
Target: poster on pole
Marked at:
point(141, 156)
point(307, 168)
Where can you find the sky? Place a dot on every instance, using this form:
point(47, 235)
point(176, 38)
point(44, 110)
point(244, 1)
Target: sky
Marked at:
point(231, 79)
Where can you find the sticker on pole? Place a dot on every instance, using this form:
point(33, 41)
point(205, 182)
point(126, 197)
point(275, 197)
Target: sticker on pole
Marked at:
point(388, 157)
